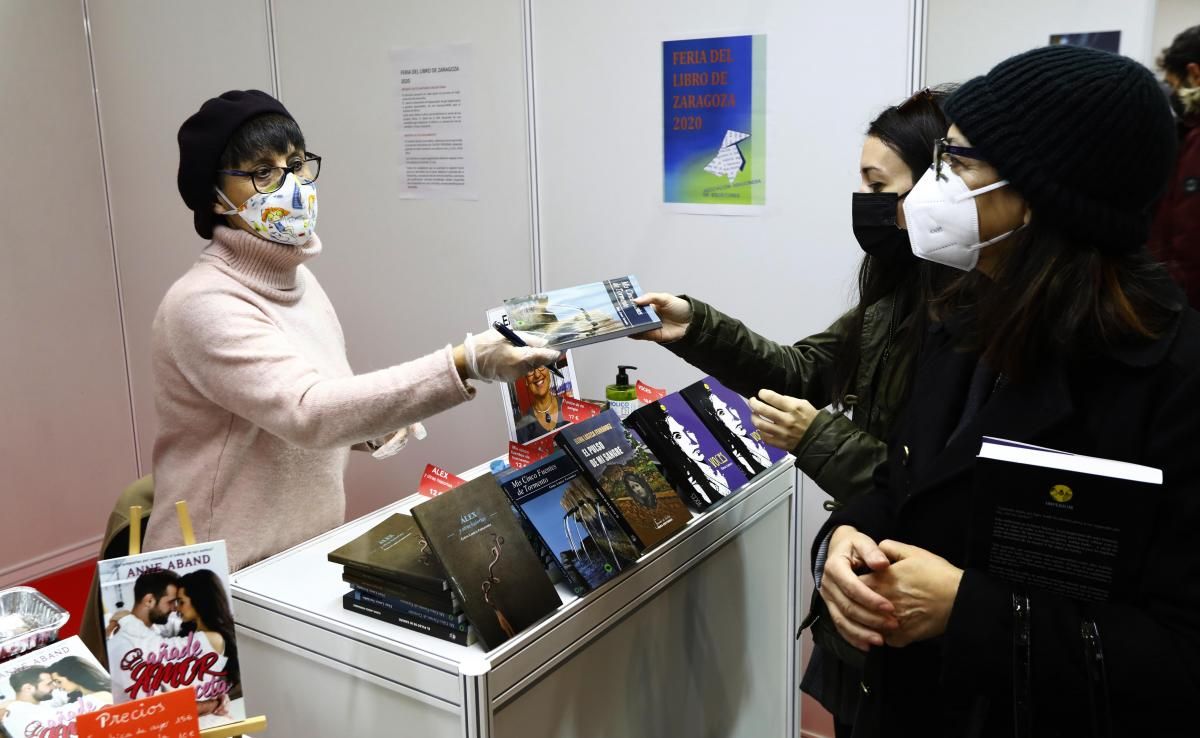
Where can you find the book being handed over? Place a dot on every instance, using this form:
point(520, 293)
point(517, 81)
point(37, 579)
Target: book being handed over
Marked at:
point(588, 313)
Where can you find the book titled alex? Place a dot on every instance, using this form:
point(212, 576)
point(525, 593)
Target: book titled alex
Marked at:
point(396, 550)
point(43, 692)
point(619, 465)
point(587, 313)
point(500, 580)
point(1069, 524)
point(174, 628)
point(700, 468)
point(576, 524)
point(727, 416)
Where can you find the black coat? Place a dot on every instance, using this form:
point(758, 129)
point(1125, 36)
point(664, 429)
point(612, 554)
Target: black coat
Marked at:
point(1138, 404)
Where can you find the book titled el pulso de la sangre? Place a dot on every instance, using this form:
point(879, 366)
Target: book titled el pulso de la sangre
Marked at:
point(583, 534)
point(396, 550)
point(700, 468)
point(500, 580)
point(727, 416)
point(587, 313)
point(168, 618)
point(619, 465)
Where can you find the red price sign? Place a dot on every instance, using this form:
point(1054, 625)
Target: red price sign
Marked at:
point(436, 480)
point(647, 394)
point(574, 410)
point(168, 715)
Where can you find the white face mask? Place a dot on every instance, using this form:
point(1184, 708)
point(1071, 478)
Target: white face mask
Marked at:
point(943, 221)
point(288, 215)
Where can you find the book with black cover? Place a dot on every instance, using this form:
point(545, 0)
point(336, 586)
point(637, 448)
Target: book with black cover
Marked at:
point(1069, 524)
point(453, 635)
point(575, 522)
point(500, 580)
point(406, 608)
point(444, 602)
point(396, 550)
point(618, 464)
point(699, 467)
point(727, 416)
point(587, 313)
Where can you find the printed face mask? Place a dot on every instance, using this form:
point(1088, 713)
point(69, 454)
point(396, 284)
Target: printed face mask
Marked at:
point(943, 221)
point(288, 215)
point(873, 215)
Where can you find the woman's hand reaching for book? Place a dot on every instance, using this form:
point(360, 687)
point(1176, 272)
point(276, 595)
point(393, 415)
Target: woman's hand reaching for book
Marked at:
point(674, 312)
point(781, 420)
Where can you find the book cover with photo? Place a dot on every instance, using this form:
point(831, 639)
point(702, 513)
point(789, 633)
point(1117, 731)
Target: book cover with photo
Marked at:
point(394, 549)
point(574, 522)
point(587, 313)
point(618, 464)
point(42, 692)
point(533, 405)
point(169, 625)
point(726, 414)
point(499, 578)
point(700, 468)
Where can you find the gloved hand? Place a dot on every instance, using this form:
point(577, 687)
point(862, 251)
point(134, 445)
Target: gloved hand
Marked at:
point(490, 357)
point(399, 440)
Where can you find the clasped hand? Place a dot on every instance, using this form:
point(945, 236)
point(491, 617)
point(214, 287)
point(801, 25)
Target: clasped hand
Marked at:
point(905, 596)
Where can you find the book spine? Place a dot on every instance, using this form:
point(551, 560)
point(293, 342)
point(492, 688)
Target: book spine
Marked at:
point(408, 609)
point(430, 584)
point(662, 452)
point(598, 488)
point(452, 635)
point(446, 603)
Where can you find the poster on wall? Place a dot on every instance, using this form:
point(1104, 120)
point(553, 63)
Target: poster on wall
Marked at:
point(1103, 40)
point(714, 125)
point(431, 96)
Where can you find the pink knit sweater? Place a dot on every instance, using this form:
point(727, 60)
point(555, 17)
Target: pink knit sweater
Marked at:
point(257, 404)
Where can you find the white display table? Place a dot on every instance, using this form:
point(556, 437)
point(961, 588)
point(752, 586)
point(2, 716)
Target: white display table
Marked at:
point(697, 640)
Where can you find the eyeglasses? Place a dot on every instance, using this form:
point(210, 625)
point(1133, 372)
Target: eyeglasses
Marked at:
point(944, 151)
point(269, 179)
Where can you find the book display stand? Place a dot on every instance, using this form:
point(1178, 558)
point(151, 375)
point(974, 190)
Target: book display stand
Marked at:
point(696, 639)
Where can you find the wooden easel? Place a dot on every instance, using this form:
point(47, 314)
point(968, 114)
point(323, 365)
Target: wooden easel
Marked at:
point(255, 724)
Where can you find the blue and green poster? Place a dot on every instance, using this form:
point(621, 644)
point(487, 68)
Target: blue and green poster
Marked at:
point(714, 128)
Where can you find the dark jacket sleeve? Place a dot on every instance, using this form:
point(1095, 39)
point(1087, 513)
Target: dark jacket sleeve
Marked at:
point(839, 456)
point(870, 513)
point(746, 362)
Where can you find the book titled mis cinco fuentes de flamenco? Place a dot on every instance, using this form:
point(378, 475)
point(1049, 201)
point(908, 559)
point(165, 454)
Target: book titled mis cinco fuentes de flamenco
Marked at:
point(588, 313)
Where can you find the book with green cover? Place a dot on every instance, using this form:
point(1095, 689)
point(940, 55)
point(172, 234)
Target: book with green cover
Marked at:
point(396, 550)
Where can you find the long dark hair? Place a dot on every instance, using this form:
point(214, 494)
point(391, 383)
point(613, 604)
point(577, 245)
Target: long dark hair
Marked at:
point(81, 672)
point(1052, 297)
point(207, 594)
point(694, 483)
point(909, 129)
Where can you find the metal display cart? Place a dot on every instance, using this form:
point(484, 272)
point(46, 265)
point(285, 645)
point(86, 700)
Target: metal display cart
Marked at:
point(697, 639)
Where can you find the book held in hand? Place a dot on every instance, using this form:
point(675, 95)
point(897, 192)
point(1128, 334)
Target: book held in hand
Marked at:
point(727, 416)
point(501, 582)
point(582, 533)
point(43, 692)
point(587, 313)
point(1068, 524)
point(618, 464)
point(174, 628)
point(700, 468)
point(394, 549)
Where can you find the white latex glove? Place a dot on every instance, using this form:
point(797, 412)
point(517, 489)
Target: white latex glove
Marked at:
point(399, 440)
point(490, 357)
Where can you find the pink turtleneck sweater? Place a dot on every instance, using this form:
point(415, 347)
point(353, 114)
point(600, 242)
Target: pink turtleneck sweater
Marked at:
point(257, 404)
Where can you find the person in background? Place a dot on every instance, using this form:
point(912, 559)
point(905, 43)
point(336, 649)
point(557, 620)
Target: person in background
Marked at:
point(258, 408)
point(860, 366)
point(1063, 333)
point(1175, 236)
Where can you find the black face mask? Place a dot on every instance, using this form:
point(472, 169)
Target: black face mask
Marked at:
point(873, 216)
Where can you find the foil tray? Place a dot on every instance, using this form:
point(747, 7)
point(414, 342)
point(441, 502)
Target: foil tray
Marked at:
point(28, 620)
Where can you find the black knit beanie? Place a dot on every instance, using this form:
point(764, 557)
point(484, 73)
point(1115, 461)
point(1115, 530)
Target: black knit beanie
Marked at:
point(202, 139)
point(1085, 136)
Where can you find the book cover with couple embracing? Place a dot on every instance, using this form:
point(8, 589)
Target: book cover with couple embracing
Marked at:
point(168, 620)
point(44, 691)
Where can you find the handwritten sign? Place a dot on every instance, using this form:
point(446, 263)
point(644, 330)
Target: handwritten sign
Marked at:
point(168, 715)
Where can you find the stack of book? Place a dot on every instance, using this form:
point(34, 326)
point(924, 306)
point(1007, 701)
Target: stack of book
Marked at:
point(396, 578)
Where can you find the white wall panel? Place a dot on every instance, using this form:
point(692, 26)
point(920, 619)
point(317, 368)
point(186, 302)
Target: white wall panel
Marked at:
point(66, 438)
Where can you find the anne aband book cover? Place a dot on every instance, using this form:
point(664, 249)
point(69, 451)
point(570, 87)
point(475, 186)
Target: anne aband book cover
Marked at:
point(574, 522)
point(169, 624)
point(699, 467)
point(619, 465)
point(493, 568)
point(587, 313)
point(727, 416)
point(44, 691)
point(394, 549)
